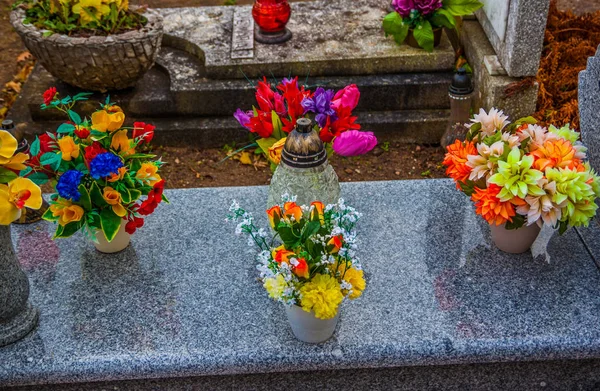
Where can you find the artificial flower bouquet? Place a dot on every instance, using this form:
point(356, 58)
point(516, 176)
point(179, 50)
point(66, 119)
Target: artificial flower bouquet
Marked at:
point(280, 106)
point(310, 262)
point(421, 17)
point(81, 16)
point(16, 192)
point(522, 174)
point(100, 177)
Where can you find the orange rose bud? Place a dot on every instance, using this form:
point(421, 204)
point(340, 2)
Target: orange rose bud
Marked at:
point(316, 213)
point(274, 216)
point(301, 268)
point(283, 256)
point(292, 209)
point(336, 243)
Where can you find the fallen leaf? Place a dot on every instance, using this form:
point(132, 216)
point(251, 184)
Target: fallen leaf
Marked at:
point(177, 160)
point(13, 86)
point(245, 158)
point(25, 56)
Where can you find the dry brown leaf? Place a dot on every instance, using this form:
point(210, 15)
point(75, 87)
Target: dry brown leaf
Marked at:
point(245, 158)
point(11, 85)
point(25, 56)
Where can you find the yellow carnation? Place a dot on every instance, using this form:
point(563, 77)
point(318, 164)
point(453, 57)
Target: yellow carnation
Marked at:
point(275, 286)
point(356, 278)
point(322, 295)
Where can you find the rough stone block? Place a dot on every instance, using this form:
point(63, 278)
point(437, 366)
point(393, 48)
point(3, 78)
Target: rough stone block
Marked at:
point(589, 108)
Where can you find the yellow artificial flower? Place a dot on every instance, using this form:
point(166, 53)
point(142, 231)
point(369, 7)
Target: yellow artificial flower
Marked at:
point(66, 211)
point(8, 146)
point(148, 173)
point(119, 176)
point(275, 286)
point(17, 194)
point(322, 295)
point(354, 277)
point(122, 143)
point(121, 4)
point(275, 150)
point(69, 149)
point(113, 198)
point(89, 10)
point(16, 162)
point(103, 121)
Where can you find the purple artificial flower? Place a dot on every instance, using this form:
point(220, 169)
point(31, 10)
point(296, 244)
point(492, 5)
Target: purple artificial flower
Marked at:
point(243, 117)
point(320, 104)
point(354, 143)
point(403, 7)
point(425, 7)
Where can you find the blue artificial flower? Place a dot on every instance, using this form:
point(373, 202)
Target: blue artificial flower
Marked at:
point(104, 165)
point(68, 183)
point(320, 104)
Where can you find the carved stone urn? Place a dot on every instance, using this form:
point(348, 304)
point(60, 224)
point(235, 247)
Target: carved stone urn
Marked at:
point(17, 316)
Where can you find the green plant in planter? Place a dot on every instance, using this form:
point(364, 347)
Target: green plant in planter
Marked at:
point(81, 17)
point(423, 16)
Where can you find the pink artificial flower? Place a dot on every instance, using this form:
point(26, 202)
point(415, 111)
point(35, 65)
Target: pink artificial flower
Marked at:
point(347, 97)
point(354, 143)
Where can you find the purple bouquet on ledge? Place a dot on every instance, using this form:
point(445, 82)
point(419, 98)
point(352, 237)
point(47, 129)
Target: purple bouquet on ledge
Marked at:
point(421, 21)
point(279, 107)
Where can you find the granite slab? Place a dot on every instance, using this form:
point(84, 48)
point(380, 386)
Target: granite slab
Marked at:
point(330, 37)
point(183, 300)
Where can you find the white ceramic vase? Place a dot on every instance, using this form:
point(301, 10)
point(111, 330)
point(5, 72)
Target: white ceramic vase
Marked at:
point(307, 327)
point(514, 241)
point(119, 243)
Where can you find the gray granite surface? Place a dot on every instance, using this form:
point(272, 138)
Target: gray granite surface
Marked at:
point(183, 300)
point(589, 108)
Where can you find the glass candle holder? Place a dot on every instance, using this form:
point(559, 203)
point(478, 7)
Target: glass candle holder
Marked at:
point(272, 16)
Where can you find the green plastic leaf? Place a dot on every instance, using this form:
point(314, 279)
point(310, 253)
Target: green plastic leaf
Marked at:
point(135, 194)
point(81, 96)
point(48, 216)
point(443, 18)
point(110, 223)
point(277, 125)
point(68, 230)
point(517, 222)
point(394, 25)
point(39, 178)
point(74, 117)
point(96, 196)
point(310, 229)
point(290, 240)
point(25, 172)
point(65, 128)
point(265, 144)
point(424, 35)
point(140, 156)
point(462, 7)
point(6, 175)
point(34, 148)
point(125, 195)
point(85, 200)
point(50, 158)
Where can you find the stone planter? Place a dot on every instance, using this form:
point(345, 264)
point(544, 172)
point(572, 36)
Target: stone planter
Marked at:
point(17, 316)
point(308, 328)
point(119, 242)
point(514, 241)
point(97, 63)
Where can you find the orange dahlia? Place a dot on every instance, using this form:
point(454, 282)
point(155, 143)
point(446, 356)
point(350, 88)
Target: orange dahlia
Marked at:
point(557, 153)
point(456, 160)
point(489, 206)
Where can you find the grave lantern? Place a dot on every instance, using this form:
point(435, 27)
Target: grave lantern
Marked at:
point(461, 96)
point(27, 215)
point(271, 16)
point(304, 170)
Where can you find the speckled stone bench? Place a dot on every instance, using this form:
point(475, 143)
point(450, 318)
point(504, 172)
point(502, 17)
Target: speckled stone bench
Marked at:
point(181, 309)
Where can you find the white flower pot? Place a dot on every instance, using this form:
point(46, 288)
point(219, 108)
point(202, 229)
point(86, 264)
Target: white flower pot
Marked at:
point(119, 243)
point(514, 241)
point(308, 328)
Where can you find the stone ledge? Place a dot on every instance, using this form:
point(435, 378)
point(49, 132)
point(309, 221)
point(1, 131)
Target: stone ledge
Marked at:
point(182, 301)
point(331, 37)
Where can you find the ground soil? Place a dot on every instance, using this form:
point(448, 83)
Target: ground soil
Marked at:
point(190, 167)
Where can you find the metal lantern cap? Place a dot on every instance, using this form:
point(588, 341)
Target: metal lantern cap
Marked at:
point(461, 83)
point(303, 147)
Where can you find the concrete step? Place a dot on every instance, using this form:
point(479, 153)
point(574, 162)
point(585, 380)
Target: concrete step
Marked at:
point(181, 309)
